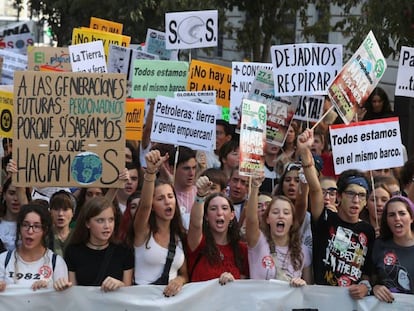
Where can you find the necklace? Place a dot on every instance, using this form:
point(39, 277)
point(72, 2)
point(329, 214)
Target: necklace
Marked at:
point(97, 246)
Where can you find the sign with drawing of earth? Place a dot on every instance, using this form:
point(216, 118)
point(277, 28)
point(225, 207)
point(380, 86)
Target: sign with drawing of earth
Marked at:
point(86, 168)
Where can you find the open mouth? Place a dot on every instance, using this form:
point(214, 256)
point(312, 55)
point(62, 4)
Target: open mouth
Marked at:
point(280, 226)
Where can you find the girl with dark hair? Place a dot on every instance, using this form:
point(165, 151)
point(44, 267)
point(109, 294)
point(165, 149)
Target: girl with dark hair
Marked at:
point(393, 252)
point(158, 232)
point(125, 226)
point(93, 256)
point(32, 263)
point(276, 252)
point(215, 249)
point(377, 105)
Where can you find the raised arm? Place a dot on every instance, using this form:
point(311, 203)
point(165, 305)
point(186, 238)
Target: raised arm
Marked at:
point(11, 169)
point(141, 227)
point(111, 193)
point(252, 219)
point(304, 144)
point(195, 229)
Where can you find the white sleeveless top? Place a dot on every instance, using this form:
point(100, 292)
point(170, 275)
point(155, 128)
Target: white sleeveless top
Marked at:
point(150, 261)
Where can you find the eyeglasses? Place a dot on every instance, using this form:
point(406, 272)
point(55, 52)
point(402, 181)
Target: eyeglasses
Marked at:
point(35, 227)
point(362, 196)
point(330, 191)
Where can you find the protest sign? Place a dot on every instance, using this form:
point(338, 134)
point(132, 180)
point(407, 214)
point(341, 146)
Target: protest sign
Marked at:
point(18, 43)
point(305, 69)
point(184, 123)
point(155, 43)
point(69, 129)
point(312, 103)
point(405, 77)
point(134, 118)
point(12, 62)
point(207, 77)
point(105, 25)
point(6, 108)
point(252, 138)
point(88, 57)
point(202, 97)
point(193, 29)
point(357, 79)
point(16, 29)
point(85, 35)
point(57, 57)
point(242, 77)
point(367, 145)
point(280, 110)
point(158, 77)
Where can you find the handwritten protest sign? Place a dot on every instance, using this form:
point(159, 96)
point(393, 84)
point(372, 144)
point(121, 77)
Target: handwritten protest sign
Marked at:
point(134, 119)
point(105, 25)
point(252, 138)
point(155, 43)
point(305, 69)
point(242, 77)
point(158, 77)
point(57, 57)
point(207, 77)
point(405, 77)
point(367, 145)
point(69, 129)
point(280, 110)
point(358, 78)
point(11, 62)
point(183, 123)
point(192, 29)
point(18, 43)
point(315, 106)
point(88, 57)
point(6, 108)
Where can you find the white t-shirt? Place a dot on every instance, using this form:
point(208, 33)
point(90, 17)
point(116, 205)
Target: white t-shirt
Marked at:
point(150, 261)
point(8, 233)
point(21, 272)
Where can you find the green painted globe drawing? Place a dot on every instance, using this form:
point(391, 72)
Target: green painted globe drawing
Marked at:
point(86, 168)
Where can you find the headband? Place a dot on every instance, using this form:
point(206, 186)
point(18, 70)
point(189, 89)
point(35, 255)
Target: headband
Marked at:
point(358, 180)
point(400, 198)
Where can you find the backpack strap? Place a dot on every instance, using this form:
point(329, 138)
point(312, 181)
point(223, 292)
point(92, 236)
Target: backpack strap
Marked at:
point(8, 256)
point(54, 256)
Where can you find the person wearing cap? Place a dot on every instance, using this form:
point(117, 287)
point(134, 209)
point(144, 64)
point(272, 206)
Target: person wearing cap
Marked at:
point(393, 252)
point(342, 245)
point(62, 207)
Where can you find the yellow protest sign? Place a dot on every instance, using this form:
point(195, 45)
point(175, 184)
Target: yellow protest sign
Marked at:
point(6, 108)
point(134, 118)
point(105, 25)
point(205, 76)
point(69, 128)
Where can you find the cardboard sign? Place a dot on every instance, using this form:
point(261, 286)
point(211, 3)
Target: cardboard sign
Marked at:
point(367, 145)
point(357, 79)
point(252, 138)
point(405, 77)
point(207, 77)
point(105, 25)
point(242, 77)
point(134, 118)
point(183, 123)
point(155, 43)
point(305, 69)
point(194, 29)
point(6, 108)
point(88, 57)
point(56, 57)
point(158, 77)
point(280, 110)
point(312, 103)
point(69, 129)
point(12, 62)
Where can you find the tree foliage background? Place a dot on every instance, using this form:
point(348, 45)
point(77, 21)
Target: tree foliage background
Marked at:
point(267, 22)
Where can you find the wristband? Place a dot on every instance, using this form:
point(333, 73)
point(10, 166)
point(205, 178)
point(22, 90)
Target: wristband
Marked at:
point(199, 199)
point(368, 285)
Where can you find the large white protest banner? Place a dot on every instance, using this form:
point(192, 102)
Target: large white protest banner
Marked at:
point(241, 295)
point(88, 57)
point(193, 29)
point(358, 78)
point(242, 78)
point(306, 68)
point(405, 77)
point(367, 145)
point(184, 123)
